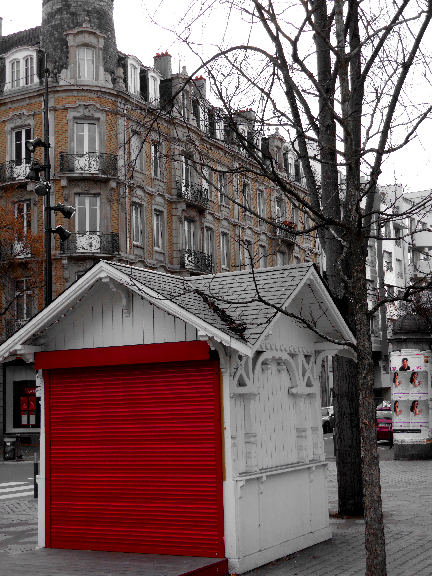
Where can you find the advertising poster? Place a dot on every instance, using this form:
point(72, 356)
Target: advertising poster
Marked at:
point(409, 376)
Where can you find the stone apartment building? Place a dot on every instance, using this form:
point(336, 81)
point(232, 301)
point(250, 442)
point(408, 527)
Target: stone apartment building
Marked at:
point(149, 164)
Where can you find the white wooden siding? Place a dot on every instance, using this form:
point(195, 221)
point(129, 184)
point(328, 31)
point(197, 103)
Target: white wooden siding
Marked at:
point(100, 321)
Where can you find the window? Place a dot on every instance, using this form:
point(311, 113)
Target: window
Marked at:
point(222, 182)
point(20, 68)
point(189, 227)
point(153, 89)
point(158, 230)
point(209, 241)
point(86, 147)
point(399, 268)
point(137, 223)
point(248, 248)
point(86, 137)
point(388, 261)
point(247, 195)
point(136, 147)
point(397, 234)
point(23, 216)
point(23, 299)
point(133, 80)
point(186, 173)
point(280, 258)
point(262, 255)
point(205, 180)
point(21, 156)
point(155, 160)
point(87, 214)
point(280, 209)
point(295, 214)
point(261, 203)
point(224, 250)
point(387, 230)
point(15, 66)
point(29, 70)
point(86, 63)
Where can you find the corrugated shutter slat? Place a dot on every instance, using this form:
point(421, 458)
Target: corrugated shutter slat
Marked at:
point(134, 461)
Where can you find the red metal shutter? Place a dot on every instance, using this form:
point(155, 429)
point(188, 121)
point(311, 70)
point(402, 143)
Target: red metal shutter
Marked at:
point(134, 459)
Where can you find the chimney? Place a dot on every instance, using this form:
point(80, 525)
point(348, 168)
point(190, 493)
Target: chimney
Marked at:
point(200, 86)
point(162, 63)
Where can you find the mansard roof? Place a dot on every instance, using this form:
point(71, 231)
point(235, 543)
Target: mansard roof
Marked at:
point(29, 37)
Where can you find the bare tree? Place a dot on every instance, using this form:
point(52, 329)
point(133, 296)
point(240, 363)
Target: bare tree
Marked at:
point(336, 78)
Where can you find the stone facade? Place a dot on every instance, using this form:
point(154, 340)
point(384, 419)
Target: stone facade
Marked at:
point(145, 171)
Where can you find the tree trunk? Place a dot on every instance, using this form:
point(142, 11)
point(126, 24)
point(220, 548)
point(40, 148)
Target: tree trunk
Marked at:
point(347, 437)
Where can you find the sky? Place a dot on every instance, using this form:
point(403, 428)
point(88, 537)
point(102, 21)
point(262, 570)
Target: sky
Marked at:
point(145, 27)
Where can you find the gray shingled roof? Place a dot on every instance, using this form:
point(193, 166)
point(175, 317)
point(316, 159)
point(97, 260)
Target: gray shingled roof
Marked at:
point(226, 301)
point(29, 37)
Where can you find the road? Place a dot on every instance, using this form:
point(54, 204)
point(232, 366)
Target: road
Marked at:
point(16, 480)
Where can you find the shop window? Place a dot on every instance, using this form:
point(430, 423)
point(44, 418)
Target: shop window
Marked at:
point(86, 63)
point(25, 405)
point(137, 223)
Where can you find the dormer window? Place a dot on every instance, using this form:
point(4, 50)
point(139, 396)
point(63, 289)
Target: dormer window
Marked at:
point(86, 63)
point(20, 68)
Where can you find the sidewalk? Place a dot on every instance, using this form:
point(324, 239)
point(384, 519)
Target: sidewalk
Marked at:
point(407, 503)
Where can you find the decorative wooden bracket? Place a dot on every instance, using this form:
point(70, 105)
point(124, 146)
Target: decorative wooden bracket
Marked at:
point(122, 291)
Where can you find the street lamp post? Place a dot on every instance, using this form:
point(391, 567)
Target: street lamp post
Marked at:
point(44, 189)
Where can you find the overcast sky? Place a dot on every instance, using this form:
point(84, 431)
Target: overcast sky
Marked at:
point(143, 34)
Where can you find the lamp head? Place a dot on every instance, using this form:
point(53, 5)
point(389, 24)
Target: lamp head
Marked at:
point(42, 189)
point(63, 234)
point(33, 144)
point(34, 172)
point(67, 211)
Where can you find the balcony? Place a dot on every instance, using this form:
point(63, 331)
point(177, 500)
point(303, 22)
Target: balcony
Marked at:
point(196, 261)
point(18, 249)
point(13, 171)
point(193, 193)
point(286, 232)
point(94, 163)
point(91, 243)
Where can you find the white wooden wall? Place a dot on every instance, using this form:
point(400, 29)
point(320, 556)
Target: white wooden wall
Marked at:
point(101, 321)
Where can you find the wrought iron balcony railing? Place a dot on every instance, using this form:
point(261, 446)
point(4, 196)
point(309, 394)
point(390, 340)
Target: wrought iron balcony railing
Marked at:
point(91, 163)
point(17, 249)
point(91, 242)
point(193, 193)
point(196, 261)
point(285, 232)
point(13, 170)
